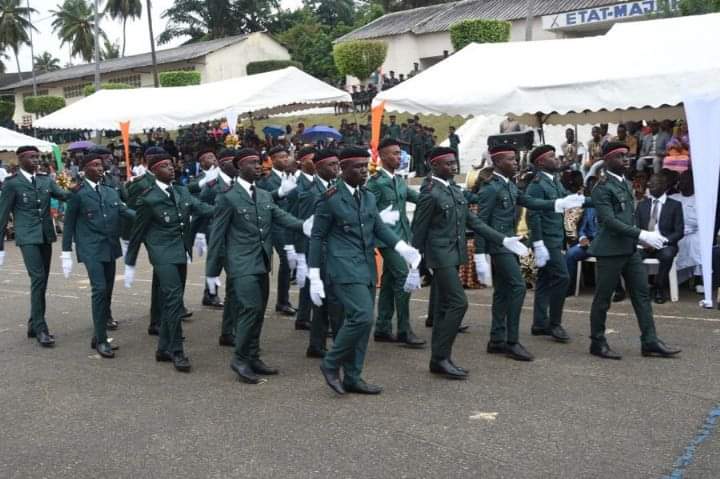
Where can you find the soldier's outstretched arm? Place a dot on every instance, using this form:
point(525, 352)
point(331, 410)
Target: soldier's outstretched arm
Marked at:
point(71, 215)
point(59, 193)
point(482, 229)
point(286, 220)
point(486, 204)
point(218, 233)
point(533, 203)
point(7, 204)
point(322, 222)
point(140, 226)
point(534, 218)
point(602, 199)
point(421, 220)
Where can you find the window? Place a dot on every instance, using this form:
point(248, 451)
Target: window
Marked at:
point(132, 80)
point(27, 121)
point(39, 93)
point(76, 90)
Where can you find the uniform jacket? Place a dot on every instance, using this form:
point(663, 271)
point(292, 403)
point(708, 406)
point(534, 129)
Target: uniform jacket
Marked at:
point(207, 195)
point(271, 183)
point(615, 207)
point(546, 226)
point(132, 190)
point(193, 185)
point(393, 191)
point(671, 222)
point(304, 185)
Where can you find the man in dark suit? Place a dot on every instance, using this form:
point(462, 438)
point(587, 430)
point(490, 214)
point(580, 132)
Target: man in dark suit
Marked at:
point(663, 214)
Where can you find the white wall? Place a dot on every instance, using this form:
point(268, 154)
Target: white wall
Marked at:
point(231, 61)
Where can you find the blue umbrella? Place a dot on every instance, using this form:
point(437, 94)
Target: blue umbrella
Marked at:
point(321, 132)
point(274, 131)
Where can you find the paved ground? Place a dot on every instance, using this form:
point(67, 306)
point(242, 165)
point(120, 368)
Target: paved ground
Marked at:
point(67, 413)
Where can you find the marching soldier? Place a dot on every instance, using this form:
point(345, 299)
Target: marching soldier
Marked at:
point(391, 193)
point(438, 231)
point(163, 224)
point(92, 221)
point(27, 196)
point(243, 222)
point(497, 200)
point(347, 220)
point(615, 248)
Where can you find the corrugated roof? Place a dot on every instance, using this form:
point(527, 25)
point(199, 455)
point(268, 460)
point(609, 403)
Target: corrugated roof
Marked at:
point(171, 55)
point(440, 18)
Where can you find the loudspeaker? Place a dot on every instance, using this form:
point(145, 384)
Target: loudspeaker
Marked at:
point(523, 140)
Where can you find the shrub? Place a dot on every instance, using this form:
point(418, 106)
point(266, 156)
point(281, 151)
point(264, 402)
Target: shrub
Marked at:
point(479, 31)
point(43, 105)
point(359, 58)
point(270, 65)
point(7, 110)
point(179, 78)
point(90, 89)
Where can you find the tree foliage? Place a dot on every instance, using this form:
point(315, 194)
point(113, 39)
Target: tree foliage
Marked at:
point(310, 44)
point(46, 62)
point(479, 31)
point(699, 7)
point(270, 65)
point(74, 22)
point(124, 10)
point(15, 27)
point(179, 78)
point(90, 89)
point(7, 110)
point(43, 105)
point(397, 5)
point(360, 58)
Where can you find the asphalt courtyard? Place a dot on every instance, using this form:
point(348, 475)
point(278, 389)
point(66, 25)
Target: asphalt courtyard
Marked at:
point(66, 413)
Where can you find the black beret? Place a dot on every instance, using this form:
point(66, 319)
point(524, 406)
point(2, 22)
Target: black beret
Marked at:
point(86, 158)
point(441, 151)
point(353, 152)
point(612, 146)
point(308, 150)
point(25, 149)
point(156, 151)
point(277, 149)
point(324, 154)
point(205, 151)
point(502, 149)
point(540, 150)
point(388, 142)
point(227, 153)
point(245, 153)
point(155, 159)
point(96, 152)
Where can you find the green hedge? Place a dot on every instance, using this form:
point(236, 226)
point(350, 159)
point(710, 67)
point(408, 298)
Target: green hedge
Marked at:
point(7, 110)
point(359, 58)
point(90, 89)
point(43, 105)
point(270, 65)
point(479, 31)
point(179, 78)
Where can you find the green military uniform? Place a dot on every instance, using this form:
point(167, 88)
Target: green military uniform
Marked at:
point(29, 202)
point(393, 131)
point(418, 150)
point(497, 201)
point(193, 185)
point(615, 248)
point(349, 224)
point(163, 224)
point(391, 190)
point(438, 231)
point(304, 184)
point(243, 225)
point(454, 141)
point(93, 221)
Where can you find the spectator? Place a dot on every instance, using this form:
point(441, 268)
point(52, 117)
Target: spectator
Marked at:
point(509, 126)
point(394, 131)
point(594, 162)
point(654, 146)
point(678, 156)
point(689, 246)
point(629, 140)
point(571, 156)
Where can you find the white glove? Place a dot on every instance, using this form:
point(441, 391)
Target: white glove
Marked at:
point(210, 175)
point(653, 239)
point(542, 255)
point(291, 255)
point(129, 275)
point(200, 244)
point(570, 201)
point(412, 282)
point(390, 216)
point(482, 268)
point(302, 270)
point(213, 283)
point(308, 226)
point(288, 184)
point(67, 263)
point(514, 244)
point(2, 258)
point(317, 288)
point(124, 246)
point(410, 255)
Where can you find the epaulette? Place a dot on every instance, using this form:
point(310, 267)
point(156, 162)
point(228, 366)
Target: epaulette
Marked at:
point(227, 188)
point(330, 191)
point(146, 191)
point(77, 187)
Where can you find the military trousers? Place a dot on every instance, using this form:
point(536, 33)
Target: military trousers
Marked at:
point(448, 311)
point(631, 268)
point(327, 317)
point(251, 297)
point(37, 263)
point(550, 291)
point(102, 279)
point(350, 345)
point(230, 311)
point(508, 297)
point(392, 297)
point(171, 289)
point(156, 309)
point(283, 274)
point(304, 311)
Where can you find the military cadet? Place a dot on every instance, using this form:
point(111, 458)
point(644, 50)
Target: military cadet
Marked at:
point(245, 215)
point(27, 196)
point(497, 201)
point(547, 235)
point(391, 194)
point(92, 221)
point(393, 129)
point(327, 166)
point(438, 231)
point(347, 219)
point(280, 185)
point(163, 223)
point(615, 248)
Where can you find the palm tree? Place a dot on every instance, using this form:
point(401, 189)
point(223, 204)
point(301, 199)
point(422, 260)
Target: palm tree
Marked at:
point(124, 9)
point(110, 50)
point(74, 23)
point(46, 62)
point(14, 27)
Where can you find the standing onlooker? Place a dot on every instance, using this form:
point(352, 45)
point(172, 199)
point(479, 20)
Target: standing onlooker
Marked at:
point(594, 150)
point(454, 140)
point(571, 156)
point(629, 140)
point(654, 146)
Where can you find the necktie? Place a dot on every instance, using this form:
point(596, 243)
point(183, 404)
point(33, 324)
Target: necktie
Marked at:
point(653, 215)
point(97, 190)
point(356, 195)
point(33, 181)
point(169, 191)
point(252, 192)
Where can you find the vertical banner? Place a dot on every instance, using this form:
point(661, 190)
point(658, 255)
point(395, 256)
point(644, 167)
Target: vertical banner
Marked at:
point(59, 166)
point(125, 132)
point(377, 114)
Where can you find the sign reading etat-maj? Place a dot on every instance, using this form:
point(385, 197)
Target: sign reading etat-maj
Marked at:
point(608, 13)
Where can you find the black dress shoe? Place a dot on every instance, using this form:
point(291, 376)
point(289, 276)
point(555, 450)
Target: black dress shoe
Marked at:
point(361, 387)
point(315, 353)
point(45, 340)
point(445, 368)
point(602, 349)
point(302, 325)
point(259, 367)
point(428, 322)
point(618, 296)
point(539, 331)
point(111, 324)
point(181, 362)
point(105, 350)
point(93, 344)
point(659, 348)
point(496, 347)
point(227, 340)
point(244, 372)
point(163, 356)
point(332, 378)
point(559, 334)
point(409, 340)
point(212, 301)
point(154, 330)
point(384, 338)
point(185, 314)
point(659, 297)
point(463, 328)
point(285, 309)
point(518, 352)
point(462, 370)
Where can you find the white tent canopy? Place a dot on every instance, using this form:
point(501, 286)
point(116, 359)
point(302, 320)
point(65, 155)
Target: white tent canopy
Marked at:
point(278, 91)
point(12, 140)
